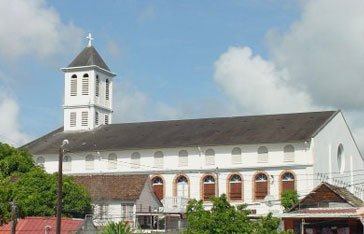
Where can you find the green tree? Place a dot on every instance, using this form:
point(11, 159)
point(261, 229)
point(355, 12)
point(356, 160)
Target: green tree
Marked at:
point(225, 218)
point(289, 198)
point(34, 190)
point(117, 228)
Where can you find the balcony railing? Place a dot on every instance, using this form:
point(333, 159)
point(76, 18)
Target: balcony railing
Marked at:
point(175, 204)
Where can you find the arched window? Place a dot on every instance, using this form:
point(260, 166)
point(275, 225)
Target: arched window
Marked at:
point(67, 163)
point(236, 155)
point(210, 157)
point(287, 181)
point(288, 152)
point(107, 93)
point(262, 154)
point(89, 162)
point(85, 84)
point(135, 160)
point(208, 187)
point(73, 90)
point(235, 187)
point(97, 86)
point(40, 161)
point(341, 158)
point(182, 186)
point(261, 186)
point(183, 158)
point(158, 159)
point(112, 161)
point(157, 184)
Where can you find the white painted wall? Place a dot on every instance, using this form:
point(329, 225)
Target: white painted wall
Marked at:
point(90, 103)
point(325, 157)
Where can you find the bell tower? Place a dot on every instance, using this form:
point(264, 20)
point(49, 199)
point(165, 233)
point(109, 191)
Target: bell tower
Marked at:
point(87, 91)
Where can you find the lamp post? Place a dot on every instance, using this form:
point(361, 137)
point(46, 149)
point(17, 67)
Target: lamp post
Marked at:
point(59, 191)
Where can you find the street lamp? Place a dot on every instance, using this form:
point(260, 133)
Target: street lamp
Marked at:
point(59, 191)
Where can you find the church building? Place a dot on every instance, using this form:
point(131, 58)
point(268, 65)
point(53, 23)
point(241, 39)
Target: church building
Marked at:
point(251, 159)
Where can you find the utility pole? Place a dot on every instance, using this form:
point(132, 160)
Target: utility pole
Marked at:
point(59, 191)
point(14, 217)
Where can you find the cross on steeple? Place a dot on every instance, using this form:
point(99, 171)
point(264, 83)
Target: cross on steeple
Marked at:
point(90, 39)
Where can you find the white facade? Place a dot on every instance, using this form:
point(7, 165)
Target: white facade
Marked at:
point(87, 98)
point(310, 163)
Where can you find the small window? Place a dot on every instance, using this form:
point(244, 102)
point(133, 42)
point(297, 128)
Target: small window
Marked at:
point(183, 158)
point(106, 119)
point(157, 184)
point(107, 93)
point(73, 119)
point(261, 186)
point(287, 181)
point(97, 88)
point(85, 84)
point(288, 152)
point(235, 187)
point(135, 160)
point(112, 162)
point(96, 118)
point(67, 163)
point(102, 211)
point(84, 119)
point(158, 159)
point(127, 212)
point(208, 187)
point(236, 155)
point(262, 154)
point(40, 161)
point(73, 85)
point(89, 162)
point(210, 157)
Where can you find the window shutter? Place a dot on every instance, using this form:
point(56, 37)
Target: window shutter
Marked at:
point(183, 158)
point(158, 190)
point(287, 185)
point(158, 159)
point(73, 119)
point(97, 86)
point(89, 162)
point(74, 85)
point(235, 191)
point(85, 85)
point(261, 189)
point(135, 160)
point(208, 191)
point(112, 162)
point(288, 155)
point(84, 119)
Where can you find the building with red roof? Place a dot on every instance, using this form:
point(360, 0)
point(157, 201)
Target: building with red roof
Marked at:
point(47, 225)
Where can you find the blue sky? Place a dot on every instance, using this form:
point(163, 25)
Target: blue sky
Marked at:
point(182, 59)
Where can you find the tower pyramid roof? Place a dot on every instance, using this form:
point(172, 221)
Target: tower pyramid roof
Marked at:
point(89, 57)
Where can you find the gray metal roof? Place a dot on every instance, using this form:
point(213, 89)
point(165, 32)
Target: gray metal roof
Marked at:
point(88, 57)
point(262, 129)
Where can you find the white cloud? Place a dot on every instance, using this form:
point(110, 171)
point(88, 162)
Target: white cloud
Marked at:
point(34, 28)
point(256, 85)
point(324, 52)
point(318, 63)
point(9, 124)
